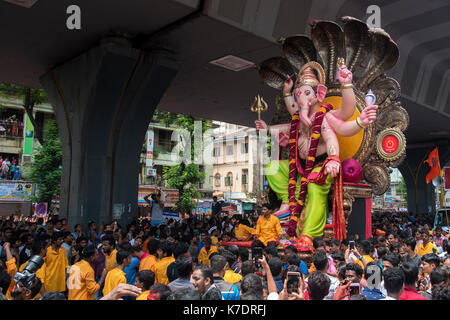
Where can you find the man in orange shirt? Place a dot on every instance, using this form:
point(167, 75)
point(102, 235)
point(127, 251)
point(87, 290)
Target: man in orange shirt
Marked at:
point(144, 280)
point(110, 253)
point(165, 258)
point(205, 252)
point(117, 275)
point(81, 283)
point(148, 262)
point(56, 265)
point(240, 230)
point(268, 227)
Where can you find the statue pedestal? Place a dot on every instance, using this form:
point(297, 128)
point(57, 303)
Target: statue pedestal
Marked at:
point(358, 209)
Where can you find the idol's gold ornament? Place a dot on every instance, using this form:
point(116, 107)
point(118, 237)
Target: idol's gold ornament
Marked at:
point(259, 105)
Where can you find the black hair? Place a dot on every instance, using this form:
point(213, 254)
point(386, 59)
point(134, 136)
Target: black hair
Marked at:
point(251, 282)
point(273, 251)
point(234, 249)
point(373, 269)
point(411, 272)
point(247, 267)
point(294, 260)
point(318, 285)
point(185, 294)
point(381, 252)
point(53, 295)
point(320, 260)
point(152, 246)
point(36, 286)
point(276, 266)
point(252, 295)
point(122, 255)
point(336, 242)
point(147, 278)
point(166, 248)
point(244, 254)
point(432, 258)
point(162, 289)
point(393, 258)
point(338, 256)
point(292, 248)
point(57, 235)
point(88, 252)
point(218, 262)
point(394, 279)
point(37, 247)
point(180, 248)
point(206, 272)
point(319, 242)
point(366, 247)
point(5, 281)
point(267, 205)
point(184, 266)
point(438, 275)
point(91, 223)
point(231, 259)
point(440, 293)
point(108, 239)
point(354, 267)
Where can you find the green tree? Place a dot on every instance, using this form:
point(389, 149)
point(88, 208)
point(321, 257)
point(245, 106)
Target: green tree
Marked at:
point(31, 97)
point(46, 167)
point(184, 177)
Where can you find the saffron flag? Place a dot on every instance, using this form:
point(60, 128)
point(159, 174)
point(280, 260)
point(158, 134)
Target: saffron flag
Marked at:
point(433, 162)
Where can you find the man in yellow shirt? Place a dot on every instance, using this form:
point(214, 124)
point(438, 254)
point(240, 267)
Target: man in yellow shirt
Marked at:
point(230, 276)
point(268, 227)
point(205, 252)
point(110, 253)
point(241, 231)
point(39, 248)
point(426, 246)
point(148, 262)
point(81, 283)
point(56, 265)
point(144, 280)
point(165, 258)
point(11, 268)
point(117, 275)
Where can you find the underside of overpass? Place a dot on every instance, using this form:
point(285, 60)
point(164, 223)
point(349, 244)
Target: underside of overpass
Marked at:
point(130, 57)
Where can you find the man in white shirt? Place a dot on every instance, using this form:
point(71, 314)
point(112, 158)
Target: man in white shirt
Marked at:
point(321, 263)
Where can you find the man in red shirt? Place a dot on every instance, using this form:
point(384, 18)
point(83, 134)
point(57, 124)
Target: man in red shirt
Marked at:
point(411, 272)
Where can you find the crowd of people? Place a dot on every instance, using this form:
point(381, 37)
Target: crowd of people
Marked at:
point(189, 260)
point(11, 127)
point(9, 170)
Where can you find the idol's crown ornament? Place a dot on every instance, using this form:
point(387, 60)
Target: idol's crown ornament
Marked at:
point(306, 75)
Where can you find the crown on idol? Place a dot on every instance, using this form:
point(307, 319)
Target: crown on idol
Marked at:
point(306, 75)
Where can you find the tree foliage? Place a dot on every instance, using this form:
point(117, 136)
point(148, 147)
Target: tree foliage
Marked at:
point(183, 177)
point(46, 167)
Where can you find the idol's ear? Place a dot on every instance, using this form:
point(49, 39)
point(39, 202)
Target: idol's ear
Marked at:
point(321, 92)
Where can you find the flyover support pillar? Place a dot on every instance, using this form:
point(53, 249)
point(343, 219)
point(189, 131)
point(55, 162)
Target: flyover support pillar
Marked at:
point(104, 100)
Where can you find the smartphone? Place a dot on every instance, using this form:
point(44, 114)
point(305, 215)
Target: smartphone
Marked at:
point(351, 244)
point(355, 289)
point(257, 254)
point(292, 281)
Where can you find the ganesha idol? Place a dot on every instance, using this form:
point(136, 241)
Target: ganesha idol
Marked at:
point(318, 124)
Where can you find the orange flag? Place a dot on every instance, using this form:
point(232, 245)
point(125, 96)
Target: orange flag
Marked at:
point(433, 162)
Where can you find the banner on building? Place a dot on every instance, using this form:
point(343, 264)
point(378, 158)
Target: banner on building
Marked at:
point(150, 142)
point(15, 191)
point(28, 133)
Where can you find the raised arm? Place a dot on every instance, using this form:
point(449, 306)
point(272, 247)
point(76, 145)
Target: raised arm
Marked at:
point(345, 77)
point(350, 128)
